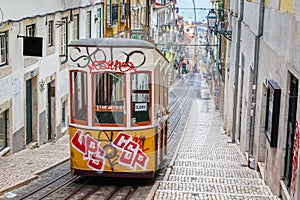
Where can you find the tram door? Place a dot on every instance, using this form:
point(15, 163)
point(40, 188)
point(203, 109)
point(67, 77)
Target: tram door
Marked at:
point(293, 96)
point(28, 111)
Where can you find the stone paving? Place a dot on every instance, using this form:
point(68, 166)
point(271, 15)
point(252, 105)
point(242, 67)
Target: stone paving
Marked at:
point(208, 166)
point(22, 167)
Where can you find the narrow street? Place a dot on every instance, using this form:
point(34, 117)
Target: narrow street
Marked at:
point(207, 165)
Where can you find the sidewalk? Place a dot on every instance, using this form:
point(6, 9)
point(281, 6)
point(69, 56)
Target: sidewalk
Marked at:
point(22, 167)
point(207, 165)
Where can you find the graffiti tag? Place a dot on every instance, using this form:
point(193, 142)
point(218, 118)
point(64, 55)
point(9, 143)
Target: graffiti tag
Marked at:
point(131, 156)
point(111, 65)
point(295, 158)
point(96, 60)
point(90, 148)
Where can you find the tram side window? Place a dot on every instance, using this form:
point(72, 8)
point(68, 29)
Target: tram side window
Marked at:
point(79, 96)
point(109, 98)
point(140, 98)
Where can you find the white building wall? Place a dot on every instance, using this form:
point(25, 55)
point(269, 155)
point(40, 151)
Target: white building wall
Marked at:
point(43, 69)
point(279, 49)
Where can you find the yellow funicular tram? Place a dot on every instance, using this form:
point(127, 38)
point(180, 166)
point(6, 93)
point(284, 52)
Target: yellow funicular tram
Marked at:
point(118, 107)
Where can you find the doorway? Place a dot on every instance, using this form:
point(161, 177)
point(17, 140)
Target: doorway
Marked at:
point(51, 110)
point(292, 110)
point(28, 111)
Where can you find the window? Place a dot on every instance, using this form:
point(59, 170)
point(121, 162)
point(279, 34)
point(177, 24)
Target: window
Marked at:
point(3, 129)
point(76, 27)
point(79, 97)
point(30, 30)
point(50, 33)
point(140, 98)
point(3, 48)
point(88, 24)
point(99, 23)
point(63, 115)
point(272, 112)
point(115, 13)
point(108, 100)
point(64, 39)
point(109, 13)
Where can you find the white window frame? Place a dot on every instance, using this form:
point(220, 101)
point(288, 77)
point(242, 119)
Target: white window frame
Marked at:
point(88, 24)
point(76, 27)
point(30, 30)
point(3, 48)
point(63, 39)
point(50, 33)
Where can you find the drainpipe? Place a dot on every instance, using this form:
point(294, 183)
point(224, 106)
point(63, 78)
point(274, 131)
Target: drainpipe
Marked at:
point(255, 74)
point(236, 75)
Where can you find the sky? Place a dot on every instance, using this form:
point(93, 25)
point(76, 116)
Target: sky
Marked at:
point(186, 9)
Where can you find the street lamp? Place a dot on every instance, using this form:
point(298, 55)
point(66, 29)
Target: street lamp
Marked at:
point(211, 19)
point(216, 25)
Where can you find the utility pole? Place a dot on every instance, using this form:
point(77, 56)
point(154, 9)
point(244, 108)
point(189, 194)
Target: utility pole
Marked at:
point(148, 19)
point(196, 39)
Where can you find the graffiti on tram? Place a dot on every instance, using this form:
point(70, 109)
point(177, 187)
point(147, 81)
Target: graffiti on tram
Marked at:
point(95, 59)
point(131, 153)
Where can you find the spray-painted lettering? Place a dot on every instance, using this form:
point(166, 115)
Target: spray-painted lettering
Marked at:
point(111, 65)
point(141, 141)
point(131, 156)
point(90, 148)
point(295, 158)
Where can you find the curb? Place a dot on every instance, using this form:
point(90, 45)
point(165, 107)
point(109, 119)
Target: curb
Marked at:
point(33, 177)
point(18, 184)
point(170, 167)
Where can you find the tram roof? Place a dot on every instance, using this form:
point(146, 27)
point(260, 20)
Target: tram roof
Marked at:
point(113, 42)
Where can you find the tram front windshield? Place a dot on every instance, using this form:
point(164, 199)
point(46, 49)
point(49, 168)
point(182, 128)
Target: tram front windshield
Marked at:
point(108, 98)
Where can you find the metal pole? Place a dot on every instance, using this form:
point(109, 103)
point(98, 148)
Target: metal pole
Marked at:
point(255, 74)
point(236, 76)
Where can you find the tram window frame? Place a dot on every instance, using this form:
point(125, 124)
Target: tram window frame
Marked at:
point(112, 111)
point(134, 121)
point(83, 96)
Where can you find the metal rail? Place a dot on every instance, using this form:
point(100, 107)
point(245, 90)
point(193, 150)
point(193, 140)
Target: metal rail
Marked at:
point(44, 186)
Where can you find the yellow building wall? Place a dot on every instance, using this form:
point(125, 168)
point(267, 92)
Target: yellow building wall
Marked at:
point(286, 5)
point(115, 30)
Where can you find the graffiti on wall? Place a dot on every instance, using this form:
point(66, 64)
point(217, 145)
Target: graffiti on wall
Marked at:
point(42, 85)
point(17, 86)
point(96, 60)
point(130, 153)
point(295, 158)
point(4, 88)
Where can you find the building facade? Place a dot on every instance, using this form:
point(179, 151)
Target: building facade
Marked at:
point(34, 93)
point(262, 108)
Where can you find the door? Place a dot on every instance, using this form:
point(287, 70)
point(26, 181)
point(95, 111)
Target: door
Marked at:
point(28, 111)
point(51, 109)
point(293, 96)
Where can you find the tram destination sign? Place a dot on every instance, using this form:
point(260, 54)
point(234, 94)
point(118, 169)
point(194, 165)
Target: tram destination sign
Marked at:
point(140, 107)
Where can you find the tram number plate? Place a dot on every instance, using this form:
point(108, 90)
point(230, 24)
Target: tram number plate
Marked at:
point(140, 107)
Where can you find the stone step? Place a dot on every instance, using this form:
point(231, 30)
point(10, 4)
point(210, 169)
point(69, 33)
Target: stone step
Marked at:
point(210, 164)
point(215, 150)
point(216, 157)
point(167, 194)
point(215, 188)
point(216, 180)
point(223, 173)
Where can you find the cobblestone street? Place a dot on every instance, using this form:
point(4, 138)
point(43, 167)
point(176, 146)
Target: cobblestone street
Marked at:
point(208, 166)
